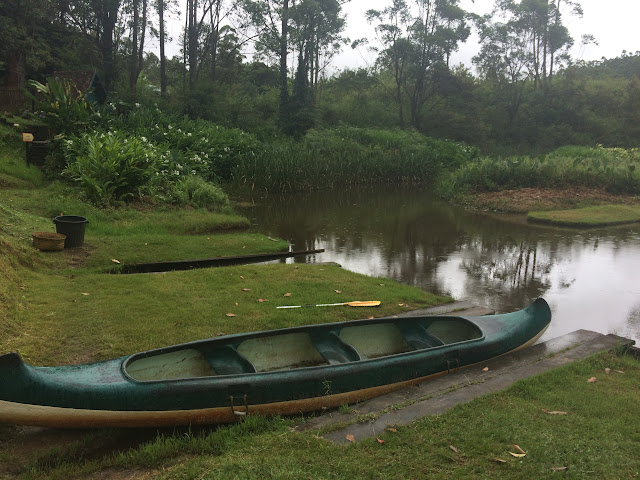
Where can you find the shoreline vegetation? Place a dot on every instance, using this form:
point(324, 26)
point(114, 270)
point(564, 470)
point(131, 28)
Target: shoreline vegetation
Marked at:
point(151, 196)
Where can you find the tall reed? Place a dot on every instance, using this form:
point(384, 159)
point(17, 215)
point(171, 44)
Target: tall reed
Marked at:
point(614, 169)
point(348, 156)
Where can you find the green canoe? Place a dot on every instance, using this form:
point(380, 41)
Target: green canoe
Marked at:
point(286, 371)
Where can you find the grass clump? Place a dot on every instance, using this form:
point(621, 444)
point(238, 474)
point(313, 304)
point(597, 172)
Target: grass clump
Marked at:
point(596, 216)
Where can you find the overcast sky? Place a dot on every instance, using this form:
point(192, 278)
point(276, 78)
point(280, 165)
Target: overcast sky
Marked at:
point(614, 23)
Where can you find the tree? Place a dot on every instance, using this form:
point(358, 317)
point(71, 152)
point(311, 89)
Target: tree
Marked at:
point(417, 43)
point(534, 36)
point(308, 27)
point(138, 30)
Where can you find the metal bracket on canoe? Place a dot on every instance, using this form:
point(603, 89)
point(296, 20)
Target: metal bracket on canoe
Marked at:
point(457, 365)
point(239, 412)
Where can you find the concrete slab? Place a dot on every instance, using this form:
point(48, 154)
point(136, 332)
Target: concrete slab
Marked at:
point(438, 395)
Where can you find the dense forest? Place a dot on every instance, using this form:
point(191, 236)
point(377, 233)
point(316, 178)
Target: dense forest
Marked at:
point(528, 115)
point(528, 94)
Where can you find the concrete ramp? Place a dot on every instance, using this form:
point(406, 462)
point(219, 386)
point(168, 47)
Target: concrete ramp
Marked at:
point(438, 395)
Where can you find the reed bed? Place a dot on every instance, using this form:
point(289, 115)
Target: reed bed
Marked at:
point(614, 169)
point(349, 156)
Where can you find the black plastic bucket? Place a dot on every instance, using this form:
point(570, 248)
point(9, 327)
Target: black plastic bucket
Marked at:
point(73, 227)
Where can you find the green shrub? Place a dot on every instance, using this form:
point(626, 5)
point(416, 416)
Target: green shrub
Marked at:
point(195, 191)
point(110, 167)
point(64, 106)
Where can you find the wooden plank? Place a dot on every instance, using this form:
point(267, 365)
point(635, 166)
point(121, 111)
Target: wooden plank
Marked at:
point(156, 267)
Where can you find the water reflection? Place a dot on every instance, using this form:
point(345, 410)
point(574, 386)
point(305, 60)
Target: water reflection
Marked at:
point(591, 278)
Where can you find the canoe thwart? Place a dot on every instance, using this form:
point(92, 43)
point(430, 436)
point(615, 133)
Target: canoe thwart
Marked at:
point(334, 350)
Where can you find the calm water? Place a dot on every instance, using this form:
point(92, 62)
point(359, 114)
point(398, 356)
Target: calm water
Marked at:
point(591, 278)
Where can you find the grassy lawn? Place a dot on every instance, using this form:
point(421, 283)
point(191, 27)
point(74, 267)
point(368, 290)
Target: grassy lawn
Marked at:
point(595, 216)
point(60, 308)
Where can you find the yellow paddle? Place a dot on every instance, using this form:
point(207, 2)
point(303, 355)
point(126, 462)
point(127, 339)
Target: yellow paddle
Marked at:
point(370, 303)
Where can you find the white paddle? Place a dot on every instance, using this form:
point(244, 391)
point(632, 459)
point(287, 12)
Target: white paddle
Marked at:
point(371, 303)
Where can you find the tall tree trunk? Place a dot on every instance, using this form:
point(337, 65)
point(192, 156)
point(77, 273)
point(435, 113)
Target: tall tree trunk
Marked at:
point(108, 17)
point(185, 45)
point(215, 37)
point(133, 67)
point(284, 90)
point(145, 3)
point(193, 42)
point(163, 60)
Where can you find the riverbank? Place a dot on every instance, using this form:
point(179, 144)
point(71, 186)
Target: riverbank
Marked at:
point(60, 308)
point(66, 311)
point(569, 206)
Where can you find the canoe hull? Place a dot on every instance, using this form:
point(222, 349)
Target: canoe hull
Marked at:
point(117, 400)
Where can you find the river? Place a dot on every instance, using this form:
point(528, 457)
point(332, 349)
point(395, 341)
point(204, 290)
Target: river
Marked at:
point(591, 278)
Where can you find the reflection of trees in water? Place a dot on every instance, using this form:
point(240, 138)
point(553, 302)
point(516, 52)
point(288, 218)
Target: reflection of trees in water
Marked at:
point(408, 236)
point(633, 321)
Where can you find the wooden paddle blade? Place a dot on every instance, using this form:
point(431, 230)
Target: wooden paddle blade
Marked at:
point(371, 303)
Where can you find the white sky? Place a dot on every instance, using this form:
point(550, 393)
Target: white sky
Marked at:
point(614, 23)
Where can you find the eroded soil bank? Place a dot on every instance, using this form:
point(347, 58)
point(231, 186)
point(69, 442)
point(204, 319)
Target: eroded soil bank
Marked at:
point(529, 199)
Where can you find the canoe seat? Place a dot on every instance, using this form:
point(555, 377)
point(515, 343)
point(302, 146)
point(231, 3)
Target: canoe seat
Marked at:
point(416, 336)
point(332, 349)
point(227, 361)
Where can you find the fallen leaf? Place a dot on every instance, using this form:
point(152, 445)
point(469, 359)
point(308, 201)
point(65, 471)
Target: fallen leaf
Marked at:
point(517, 447)
point(111, 345)
point(219, 334)
point(485, 369)
point(246, 289)
point(241, 277)
point(391, 429)
point(591, 380)
point(230, 314)
point(558, 469)
point(236, 304)
point(176, 324)
point(338, 291)
point(554, 412)
point(262, 300)
point(84, 294)
point(454, 449)
point(618, 371)
point(379, 440)
point(517, 454)
point(115, 261)
point(287, 294)
point(607, 370)
point(351, 438)
point(499, 460)
point(382, 284)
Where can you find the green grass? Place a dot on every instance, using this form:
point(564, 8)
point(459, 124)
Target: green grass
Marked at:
point(595, 216)
point(105, 316)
